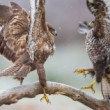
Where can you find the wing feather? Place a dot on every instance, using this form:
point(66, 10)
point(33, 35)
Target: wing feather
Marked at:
point(16, 29)
point(6, 15)
point(101, 10)
point(105, 86)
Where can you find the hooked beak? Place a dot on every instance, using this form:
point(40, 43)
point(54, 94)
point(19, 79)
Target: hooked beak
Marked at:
point(55, 33)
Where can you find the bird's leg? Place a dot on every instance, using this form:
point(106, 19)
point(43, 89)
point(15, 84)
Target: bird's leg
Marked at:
point(85, 71)
point(90, 86)
point(42, 80)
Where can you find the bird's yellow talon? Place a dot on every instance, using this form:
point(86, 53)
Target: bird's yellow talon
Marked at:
point(45, 97)
point(87, 87)
point(85, 72)
point(81, 71)
point(90, 86)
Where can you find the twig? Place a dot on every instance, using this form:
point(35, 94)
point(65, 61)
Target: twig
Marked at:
point(29, 91)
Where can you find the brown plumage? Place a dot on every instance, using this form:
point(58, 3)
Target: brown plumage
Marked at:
point(15, 30)
point(98, 43)
point(6, 15)
point(14, 37)
point(6, 51)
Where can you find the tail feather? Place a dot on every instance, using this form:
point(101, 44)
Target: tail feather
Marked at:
point(105, 86)
point(10, 70)
point(18, 71)
point(23, 71)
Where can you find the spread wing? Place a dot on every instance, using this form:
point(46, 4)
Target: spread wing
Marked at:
point(101, 10)
point(15, 26)
point(5, 13)
point(15, 30)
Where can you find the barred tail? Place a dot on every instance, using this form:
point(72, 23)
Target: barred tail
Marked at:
point(18, 71)
point(105, 86)
point(10, 70)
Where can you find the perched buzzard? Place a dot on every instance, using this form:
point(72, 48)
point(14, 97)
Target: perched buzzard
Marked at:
point(98, 43)
point(14, 38)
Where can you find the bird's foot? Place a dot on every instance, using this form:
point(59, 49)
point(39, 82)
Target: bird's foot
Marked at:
point(90, 86)
point(45, 97)
point(82, 71)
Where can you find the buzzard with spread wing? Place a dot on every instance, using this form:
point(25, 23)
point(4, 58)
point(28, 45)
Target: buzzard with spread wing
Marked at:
point(98, 44)
point(14, 37)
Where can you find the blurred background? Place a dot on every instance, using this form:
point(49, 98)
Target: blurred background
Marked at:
point(64, 16)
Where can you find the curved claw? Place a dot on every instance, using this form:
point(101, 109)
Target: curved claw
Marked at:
point(90, 86)
point(45, 97)
point(85, 71)
point(81, 71)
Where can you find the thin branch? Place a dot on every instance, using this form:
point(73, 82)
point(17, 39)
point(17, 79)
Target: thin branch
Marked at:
point(29, 91)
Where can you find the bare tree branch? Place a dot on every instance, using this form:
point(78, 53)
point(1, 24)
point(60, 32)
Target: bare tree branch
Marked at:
point(13, 95)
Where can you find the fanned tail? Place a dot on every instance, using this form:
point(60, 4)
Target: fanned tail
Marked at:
point(105, 86)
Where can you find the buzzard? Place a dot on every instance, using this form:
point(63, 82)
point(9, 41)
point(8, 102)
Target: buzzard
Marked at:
point(98, 44)
point(14, 37)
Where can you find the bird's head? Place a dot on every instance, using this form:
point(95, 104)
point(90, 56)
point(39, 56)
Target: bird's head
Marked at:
point(51, 30)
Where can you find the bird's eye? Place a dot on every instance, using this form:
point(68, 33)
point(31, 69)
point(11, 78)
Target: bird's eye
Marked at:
point(53, 31)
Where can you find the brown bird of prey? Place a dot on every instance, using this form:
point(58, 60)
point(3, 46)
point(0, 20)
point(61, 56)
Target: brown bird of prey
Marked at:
point(98, 44)
point(14, 37)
